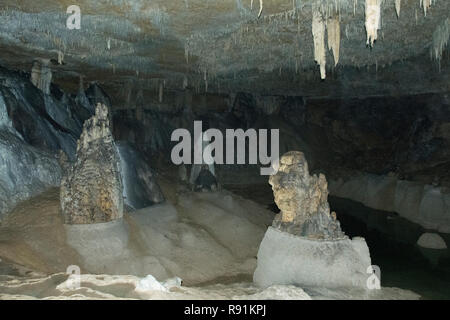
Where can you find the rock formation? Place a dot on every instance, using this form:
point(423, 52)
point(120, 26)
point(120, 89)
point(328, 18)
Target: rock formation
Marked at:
point(305, 245)
point(302, 199)
point(91, 188)
point(140, 188)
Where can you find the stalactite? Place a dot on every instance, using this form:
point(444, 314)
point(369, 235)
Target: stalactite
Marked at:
point(426, 4)
point(334, 37)
point(440, 39)
point(373, 18)
point(318, 30)
point(398, 4)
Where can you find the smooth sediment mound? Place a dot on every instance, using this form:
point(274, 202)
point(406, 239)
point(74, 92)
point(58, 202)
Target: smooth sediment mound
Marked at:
point(286, 259)
point(203, 237)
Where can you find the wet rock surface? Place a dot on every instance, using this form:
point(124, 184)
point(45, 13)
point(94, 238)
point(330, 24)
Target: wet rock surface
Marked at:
point(91, 188)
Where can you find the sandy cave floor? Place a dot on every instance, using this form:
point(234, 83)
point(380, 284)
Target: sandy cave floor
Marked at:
point(208, 240)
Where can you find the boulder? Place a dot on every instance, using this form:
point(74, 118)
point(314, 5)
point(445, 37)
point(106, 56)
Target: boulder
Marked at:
point(431, 241)
point(91, 187)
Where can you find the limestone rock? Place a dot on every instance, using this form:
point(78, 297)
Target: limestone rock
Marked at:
point(91, 189)
point(302, 199)
point(431, 241)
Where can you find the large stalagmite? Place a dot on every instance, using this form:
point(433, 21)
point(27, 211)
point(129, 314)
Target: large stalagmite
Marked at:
point(305, 245)
point(91, 188)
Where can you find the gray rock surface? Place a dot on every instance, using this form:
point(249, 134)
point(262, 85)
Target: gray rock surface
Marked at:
point(24, 171)
point(91, 188)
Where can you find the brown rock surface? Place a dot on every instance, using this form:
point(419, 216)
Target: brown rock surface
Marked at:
point(302, 199)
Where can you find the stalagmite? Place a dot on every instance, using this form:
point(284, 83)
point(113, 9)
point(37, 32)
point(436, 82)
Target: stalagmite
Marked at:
point(373, 18)
point(318, 30)
point(334, 37)
point(398, 4)
point(305, 240)
point(91, 187)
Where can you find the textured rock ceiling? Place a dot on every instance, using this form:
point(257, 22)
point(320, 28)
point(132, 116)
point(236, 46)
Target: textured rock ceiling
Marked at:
point(222, 45)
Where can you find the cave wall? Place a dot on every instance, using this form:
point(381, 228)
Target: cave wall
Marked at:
point(408, 136)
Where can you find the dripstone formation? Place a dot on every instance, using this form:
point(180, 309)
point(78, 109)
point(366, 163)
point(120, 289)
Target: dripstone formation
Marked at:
point(91, 187)
point(305, 241)
point(302, 199)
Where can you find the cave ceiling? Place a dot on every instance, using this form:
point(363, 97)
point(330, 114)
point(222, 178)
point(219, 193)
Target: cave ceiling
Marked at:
point(224, 46)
